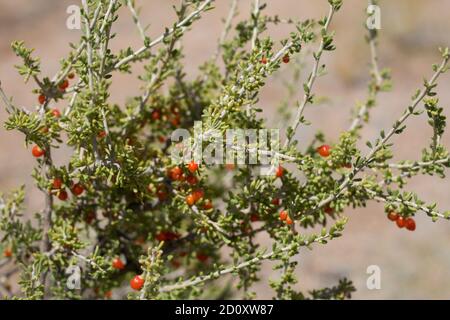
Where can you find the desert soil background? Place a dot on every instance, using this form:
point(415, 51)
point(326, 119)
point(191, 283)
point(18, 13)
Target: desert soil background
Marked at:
point(413, 265)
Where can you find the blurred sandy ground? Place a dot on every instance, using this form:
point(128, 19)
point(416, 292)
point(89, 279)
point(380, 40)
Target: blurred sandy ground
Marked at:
point(413, 265)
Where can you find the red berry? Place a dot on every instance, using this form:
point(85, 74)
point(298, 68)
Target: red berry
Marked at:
point(286, 59)
point(64, 85)
point(56, 113)
point(192, 166)
point(410, 224)
point(190, 200)
point(7, 253)
point(118, 264)
point(400, 222)
point(101, 134)
point(279, 172)
point(254, 217)
point(108, 294)
point(161, 194)
point(137, 283)
point(289, 221)
point(264, 60)
point(57, 183)
point(90, 217)
point(77, 189)
point(328, 210)
point(162, 139)
point(175, 121)
point(71, 75)
point(202, 257)
point(208, 205)
point(324, 150)
point(176, 173)
point(37, 151)
point(161, 236)
point(283, 215)
point(198, 194)
point(393, 216)
point(62, 195)
point(347, 165)
point(276, 201)
point(192, 180)
point(156, 115)
point(42, 99)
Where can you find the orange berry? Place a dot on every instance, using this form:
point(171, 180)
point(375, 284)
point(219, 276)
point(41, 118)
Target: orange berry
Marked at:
point(400, 222)
point(56, 113)
point(37, 151)
point(198, 194)
point(324, 150)
point(283, 215)
point(208, 205)
point(57, 183)
point(62, 195)
point(289, 221)
point(393, 216)
point(190, 200)
point(7, 253)
point(192, 166)
point(137, 283)
point(410, 224)
point(286, 59)
point(118, 264)
point(279, 172)
point(42, 99)
point(77, 189)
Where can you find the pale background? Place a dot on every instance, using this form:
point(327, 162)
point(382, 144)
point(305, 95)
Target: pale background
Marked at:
point(413, 265)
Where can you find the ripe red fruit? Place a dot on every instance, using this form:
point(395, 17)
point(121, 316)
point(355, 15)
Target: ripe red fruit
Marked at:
point(42, 99)
point(71, 75)
point(77, 189)
point(161, 236)
point(56, 113)
point(175, 173)
point(64, 85)
point(289, 221)
point(279, 172)
point(410, 224)
point(400, 222)
point(202, 257)
point(37, 151)
point(161, 194)
point(192, 166)
point(286, 59)
point(156, 115)
point(254, 217)
point(264, 60)
point(118, 264)
point(324, 150)
point(90, 217)
point(393, 216)
point(57, 183)
point(208, 205)
point(137, 283)
point(328, 210)
point(175, 121)
point(283, 215)
point(190, 200)
point(276, 201)
point(198, 194)
point(192, 180)
point(7, 253)
point(101, 134)
point(62, 195)
point(108, 294)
